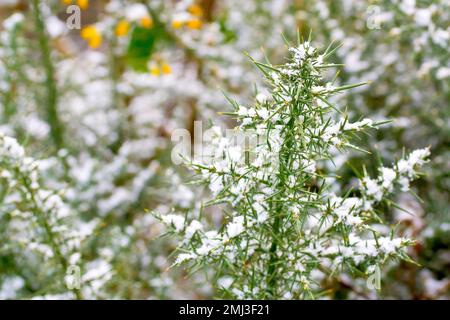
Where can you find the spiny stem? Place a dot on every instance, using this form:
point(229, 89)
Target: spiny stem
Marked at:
point(49, 232)
point(56, 129)
point(116, 101)
point(284, 159)
point(272, 270)
point(10, 108)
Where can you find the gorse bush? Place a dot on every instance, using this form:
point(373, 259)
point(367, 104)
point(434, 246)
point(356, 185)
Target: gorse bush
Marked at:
point(38, 229)
point(303, 184)
point(402, 47)
point(285, 228)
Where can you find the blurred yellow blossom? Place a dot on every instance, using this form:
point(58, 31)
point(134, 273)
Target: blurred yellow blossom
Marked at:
point(92, 36)
point(146, 22)
point(160, 67)
point(194, 24)
point(122, 28)
point(154, 69)
point(83, 4)
point(196, 10)
point(165, 68)
point(177, 24)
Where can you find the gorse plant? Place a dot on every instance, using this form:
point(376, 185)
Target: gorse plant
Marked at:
point(296, 205)
point(41, 228)
point(285, 229)
point(402, 45)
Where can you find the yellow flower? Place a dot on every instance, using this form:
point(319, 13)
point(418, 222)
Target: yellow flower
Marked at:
point(95, 42)
point(194, 24)
point(88, 32)
point(83, 4)
point(196, 10)
point(92, 36)
point(146, 22)
point(165, 68)
point(160, 67)
point(66, 2)
point(122, 28)
point(154, 70)
point(177, 24)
